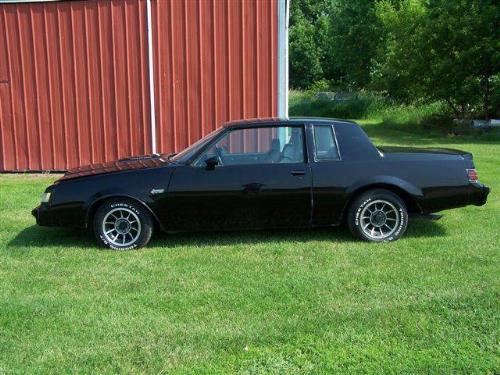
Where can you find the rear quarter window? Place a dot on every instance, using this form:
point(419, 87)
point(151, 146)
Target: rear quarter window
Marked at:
point(325, 146)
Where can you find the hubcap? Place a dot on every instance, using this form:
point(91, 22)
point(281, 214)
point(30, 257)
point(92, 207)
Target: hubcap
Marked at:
point(379, 219)
point(121, 226)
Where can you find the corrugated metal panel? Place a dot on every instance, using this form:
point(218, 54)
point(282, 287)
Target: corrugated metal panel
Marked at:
point(73, 85)
point(74, 76)
point(215, 61)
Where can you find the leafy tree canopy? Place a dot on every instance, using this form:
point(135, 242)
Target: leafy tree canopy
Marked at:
point(411, 50)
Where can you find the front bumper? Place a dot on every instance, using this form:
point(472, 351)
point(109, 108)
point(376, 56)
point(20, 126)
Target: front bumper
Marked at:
point(480, 194)
point(41, 215)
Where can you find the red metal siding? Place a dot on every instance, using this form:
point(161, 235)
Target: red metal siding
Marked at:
point(214, 60)
point(73, 85)
point(74, 76)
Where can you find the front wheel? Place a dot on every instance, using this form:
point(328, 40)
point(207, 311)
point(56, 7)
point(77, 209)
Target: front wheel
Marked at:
point(122, 225)
point(378, 215)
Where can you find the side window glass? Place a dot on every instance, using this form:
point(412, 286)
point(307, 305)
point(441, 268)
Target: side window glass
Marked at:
point(324, 141)
point(262, 145)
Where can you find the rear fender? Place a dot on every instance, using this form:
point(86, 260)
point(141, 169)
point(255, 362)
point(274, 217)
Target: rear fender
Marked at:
point(408, 187)
point(410, 193)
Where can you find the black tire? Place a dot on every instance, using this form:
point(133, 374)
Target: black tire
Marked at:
point(378, 215)
point(139, 224)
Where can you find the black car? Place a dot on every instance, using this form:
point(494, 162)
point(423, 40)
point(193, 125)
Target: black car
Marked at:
point(266, 173)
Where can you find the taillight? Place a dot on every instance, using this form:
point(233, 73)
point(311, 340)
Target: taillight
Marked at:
point(472, 173)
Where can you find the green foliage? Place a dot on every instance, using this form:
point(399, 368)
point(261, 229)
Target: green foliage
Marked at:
point(305, 66)
point(332, 40)
point(353, 39)
point(416, 116)
point(440, 50)
point(308, 36)
point(414, 51)
point(369, 105)
point(319, 86)
point(398, 63)
point(347, 105)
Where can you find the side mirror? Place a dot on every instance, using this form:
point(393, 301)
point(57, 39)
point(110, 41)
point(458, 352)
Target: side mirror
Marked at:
point(212, 162)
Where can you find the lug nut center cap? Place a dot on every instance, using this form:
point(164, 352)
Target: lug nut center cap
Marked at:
point(378, 218)
point(122, 226)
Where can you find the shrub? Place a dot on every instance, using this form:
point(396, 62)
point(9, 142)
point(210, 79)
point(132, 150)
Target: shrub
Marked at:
point(342, 105)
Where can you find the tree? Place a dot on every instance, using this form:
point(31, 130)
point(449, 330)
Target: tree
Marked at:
point(308, 36)
point(354, 35)
point(440, 50)
point(398, 64)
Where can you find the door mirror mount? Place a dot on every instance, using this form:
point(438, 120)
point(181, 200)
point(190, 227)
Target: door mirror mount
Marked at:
point(212, 162)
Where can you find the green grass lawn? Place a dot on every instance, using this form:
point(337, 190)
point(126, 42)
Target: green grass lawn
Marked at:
point(256, 302)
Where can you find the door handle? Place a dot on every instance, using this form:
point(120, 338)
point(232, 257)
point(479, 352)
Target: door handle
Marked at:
point(298, 173)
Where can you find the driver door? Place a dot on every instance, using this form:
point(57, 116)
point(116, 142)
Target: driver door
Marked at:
point(261, 179)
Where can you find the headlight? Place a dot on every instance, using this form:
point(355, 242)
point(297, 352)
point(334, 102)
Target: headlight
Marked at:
point(46, 197)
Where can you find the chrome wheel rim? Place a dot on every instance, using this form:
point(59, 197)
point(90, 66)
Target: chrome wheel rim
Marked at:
point(121, 227)
point(379, 219)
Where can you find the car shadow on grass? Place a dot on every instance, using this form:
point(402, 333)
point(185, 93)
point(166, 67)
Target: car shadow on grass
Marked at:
point(36, 236)
point(39, 237)
point(251, 237)
point(419, 227)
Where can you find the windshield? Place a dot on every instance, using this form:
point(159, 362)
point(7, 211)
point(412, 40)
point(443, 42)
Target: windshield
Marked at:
point(189, 152)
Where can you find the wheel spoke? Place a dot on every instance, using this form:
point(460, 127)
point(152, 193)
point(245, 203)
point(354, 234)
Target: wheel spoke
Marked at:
point(384, 214)
point(121, 226)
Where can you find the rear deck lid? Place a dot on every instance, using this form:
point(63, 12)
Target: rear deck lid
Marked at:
point(388, 150)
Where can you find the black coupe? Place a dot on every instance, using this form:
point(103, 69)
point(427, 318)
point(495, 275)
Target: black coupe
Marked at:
point(266, 173)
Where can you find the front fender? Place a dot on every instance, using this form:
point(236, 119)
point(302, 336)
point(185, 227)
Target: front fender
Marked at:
point(93, 202)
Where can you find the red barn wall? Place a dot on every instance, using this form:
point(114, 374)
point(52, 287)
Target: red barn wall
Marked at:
point(74, 85)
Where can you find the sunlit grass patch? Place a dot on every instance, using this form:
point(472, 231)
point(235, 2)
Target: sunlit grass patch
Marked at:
point(276, 301)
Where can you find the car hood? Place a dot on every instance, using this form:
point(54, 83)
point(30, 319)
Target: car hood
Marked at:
point(131, 163)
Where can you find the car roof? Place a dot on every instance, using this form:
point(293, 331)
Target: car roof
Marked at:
point(255, 122)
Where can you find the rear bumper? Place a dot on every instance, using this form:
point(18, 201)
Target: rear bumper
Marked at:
point(479, 195)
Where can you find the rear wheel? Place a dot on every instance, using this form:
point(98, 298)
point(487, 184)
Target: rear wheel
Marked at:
point(378, 215)
point(122, 225)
